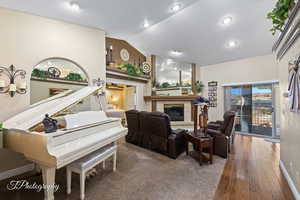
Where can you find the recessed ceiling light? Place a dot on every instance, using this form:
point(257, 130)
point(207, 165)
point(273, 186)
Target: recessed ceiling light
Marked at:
point(232, 44)
point(169, 61)
point(176, 53)
point(176, 7)
point(227, 20)
point(74, 6)
point(146, 24)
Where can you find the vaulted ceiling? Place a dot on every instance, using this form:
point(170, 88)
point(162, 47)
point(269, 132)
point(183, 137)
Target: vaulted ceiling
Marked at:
point(196, 30)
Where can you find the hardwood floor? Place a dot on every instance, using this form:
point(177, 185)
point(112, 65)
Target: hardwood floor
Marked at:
point(252, 172)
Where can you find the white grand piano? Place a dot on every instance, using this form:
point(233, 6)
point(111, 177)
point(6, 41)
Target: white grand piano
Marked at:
point(78, 135)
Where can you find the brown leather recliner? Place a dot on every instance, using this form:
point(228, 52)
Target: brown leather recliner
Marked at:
point(133, 124)
point(222, 131)
point(156, 134)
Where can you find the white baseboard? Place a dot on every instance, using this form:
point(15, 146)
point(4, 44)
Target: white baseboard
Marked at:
point(289, 180)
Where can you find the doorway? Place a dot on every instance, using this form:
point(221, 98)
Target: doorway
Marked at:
point(120, 96)
point(254, 105)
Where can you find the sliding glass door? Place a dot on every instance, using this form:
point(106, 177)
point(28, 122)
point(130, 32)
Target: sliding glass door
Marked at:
point(254, 106)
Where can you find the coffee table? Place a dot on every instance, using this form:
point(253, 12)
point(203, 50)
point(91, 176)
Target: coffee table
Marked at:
point(200, 143)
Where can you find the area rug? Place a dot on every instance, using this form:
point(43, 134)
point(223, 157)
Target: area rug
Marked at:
point(141, 175)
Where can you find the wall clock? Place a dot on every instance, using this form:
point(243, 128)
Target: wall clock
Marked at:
point(124, 55)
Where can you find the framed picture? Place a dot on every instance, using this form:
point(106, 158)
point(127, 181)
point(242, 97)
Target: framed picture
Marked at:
point(212, 93)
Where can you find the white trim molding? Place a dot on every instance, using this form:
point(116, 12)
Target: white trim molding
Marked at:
point(289, 180)
point(251, 83)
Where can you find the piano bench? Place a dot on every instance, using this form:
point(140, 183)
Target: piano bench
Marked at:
point(83, 165)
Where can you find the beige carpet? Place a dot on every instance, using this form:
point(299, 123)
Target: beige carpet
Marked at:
point(141, 175)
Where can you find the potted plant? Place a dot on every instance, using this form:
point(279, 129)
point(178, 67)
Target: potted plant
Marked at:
point(280, 14)
point(165, 85)
point(199, 87)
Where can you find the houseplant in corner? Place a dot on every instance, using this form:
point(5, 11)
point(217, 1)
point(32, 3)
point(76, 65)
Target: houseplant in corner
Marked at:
point(280, 14)
point(199, 87)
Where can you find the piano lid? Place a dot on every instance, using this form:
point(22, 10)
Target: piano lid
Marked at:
point(62, 94)
point(35, 114)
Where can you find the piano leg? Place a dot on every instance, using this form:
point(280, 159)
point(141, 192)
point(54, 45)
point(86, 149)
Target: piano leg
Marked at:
point(49, 180)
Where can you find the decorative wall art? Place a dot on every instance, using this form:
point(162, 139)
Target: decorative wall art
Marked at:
point(213, 93)
point(54, 72)
point(124, 54)
point(146, 68)
point(293, 85)
point(14, 86)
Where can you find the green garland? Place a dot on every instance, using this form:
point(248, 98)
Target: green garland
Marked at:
point(43, 75)
point(280, 14)
point(74, 77)
point(39, 73)
point(131, 70)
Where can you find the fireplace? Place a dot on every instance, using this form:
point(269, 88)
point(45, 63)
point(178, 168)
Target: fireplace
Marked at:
point(175, 111)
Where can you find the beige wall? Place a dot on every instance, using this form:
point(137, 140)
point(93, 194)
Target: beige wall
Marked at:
point(27, 39)
point(290, 121)
point(254, 69)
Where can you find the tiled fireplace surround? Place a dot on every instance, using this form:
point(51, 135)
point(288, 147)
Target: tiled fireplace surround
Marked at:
point(187, 109)
point(156, 103)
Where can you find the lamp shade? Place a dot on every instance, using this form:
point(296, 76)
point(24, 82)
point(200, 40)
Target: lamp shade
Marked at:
point(22, 85)
point(12, 87)
point(2, 83)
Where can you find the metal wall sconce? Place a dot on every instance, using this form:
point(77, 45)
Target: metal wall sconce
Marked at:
point(12, 88)
point(100, 83)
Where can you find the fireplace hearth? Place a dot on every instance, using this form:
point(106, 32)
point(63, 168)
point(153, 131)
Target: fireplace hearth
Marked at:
point(175, 111)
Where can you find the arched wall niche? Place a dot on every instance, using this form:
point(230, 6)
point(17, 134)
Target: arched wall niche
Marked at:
point(54, 75)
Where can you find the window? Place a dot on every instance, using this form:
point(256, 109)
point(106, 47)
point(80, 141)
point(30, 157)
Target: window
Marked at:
point(173, 78)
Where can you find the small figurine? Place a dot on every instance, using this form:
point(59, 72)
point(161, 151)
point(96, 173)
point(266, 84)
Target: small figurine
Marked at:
point(200, 100)
point(50, 125)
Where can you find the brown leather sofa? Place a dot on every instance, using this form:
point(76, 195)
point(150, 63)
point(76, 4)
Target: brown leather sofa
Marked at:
point(133, 125)
point(152, 130)
point(223, 134)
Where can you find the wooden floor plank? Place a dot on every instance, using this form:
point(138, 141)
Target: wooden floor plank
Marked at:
point(252, 172)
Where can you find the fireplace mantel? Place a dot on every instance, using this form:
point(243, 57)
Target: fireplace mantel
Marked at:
point(169, 98)
point(157, 103)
